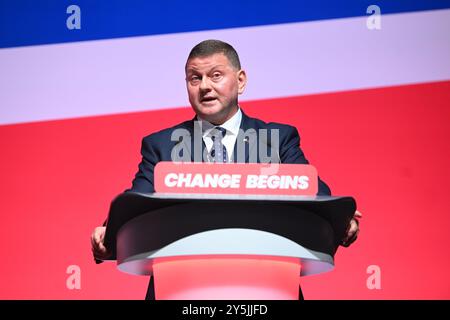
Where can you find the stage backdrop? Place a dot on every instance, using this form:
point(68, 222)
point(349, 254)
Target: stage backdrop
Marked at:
point(368, 87)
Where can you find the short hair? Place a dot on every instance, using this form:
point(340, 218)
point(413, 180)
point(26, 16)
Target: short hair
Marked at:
point(209, 47)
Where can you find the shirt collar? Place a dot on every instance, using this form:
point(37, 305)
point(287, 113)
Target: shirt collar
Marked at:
point(232, 125)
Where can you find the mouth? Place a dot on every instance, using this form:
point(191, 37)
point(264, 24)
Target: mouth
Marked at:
point(208, 99)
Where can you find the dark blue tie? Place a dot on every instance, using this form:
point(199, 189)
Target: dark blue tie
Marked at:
point(218, 152)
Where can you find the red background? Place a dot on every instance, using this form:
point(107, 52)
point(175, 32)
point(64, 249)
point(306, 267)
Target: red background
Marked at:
point(387, 147)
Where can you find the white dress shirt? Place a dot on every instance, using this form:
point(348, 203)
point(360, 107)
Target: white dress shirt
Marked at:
point(232, 126)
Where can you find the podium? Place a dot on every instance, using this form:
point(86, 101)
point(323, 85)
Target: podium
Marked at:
point(199, 246)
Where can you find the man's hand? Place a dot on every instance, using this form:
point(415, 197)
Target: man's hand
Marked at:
point(352, 230)
point(97, 240)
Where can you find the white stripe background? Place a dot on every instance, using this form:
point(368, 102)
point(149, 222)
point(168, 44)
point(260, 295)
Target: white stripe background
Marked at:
point(146, 73)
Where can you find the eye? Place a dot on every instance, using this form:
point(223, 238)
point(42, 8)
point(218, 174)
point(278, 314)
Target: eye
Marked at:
point(194, 79)
point(216, 75)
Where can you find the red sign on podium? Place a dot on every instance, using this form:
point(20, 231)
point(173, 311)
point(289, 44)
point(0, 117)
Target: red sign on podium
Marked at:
point(235, 178)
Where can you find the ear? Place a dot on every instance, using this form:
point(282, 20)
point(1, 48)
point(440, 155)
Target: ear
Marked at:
point(242, 81)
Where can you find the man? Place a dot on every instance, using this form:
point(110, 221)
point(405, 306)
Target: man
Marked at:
point(214, 79)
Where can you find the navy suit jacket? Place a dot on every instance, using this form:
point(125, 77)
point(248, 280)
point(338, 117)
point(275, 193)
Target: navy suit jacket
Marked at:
point(158, 147)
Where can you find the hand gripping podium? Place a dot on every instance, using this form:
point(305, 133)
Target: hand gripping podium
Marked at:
point(209, 246)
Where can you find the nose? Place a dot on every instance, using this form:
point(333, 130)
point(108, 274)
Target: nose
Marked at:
point(205, 85)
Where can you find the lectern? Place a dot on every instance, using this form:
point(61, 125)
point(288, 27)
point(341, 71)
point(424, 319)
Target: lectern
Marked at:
point(226, 246)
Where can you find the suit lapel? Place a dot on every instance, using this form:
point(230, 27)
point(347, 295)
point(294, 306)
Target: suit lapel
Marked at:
point(197, 145)
point(245, 137)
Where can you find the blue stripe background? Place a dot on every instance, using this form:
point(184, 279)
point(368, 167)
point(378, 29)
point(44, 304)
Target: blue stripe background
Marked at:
point(28, 22)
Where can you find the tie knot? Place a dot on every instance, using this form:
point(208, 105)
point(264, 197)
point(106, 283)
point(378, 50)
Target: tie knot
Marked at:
point(218, 132)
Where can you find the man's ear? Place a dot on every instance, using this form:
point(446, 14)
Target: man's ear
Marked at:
point(242, 81)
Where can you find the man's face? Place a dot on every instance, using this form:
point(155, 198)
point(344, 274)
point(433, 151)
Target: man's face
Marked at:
point(213, 86)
